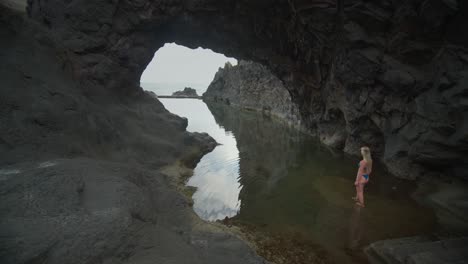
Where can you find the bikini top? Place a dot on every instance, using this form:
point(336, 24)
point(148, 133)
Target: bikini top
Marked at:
point(365, 175)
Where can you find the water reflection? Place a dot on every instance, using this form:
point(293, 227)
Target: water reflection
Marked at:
point(356, 228)
point(292, 186)
point(216, 176)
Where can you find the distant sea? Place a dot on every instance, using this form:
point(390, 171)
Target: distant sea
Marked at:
point(168, 88)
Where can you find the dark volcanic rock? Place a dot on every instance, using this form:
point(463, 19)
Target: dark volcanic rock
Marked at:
point(388, 74)
point(82, 177)
point(187, 92)
point(418, 250)
point(251, 85)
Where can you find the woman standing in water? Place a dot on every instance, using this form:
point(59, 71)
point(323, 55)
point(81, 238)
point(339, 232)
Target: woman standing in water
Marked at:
point(362, 177)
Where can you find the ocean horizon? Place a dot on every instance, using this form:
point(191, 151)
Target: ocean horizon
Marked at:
point(161, 88)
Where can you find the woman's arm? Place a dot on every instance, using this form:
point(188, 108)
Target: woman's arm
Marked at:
point(357, 177)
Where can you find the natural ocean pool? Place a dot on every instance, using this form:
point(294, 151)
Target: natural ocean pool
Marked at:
point(283, 184)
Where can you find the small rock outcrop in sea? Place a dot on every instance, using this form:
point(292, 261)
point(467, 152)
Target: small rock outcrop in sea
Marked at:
point(187, 92)
point(251, 85)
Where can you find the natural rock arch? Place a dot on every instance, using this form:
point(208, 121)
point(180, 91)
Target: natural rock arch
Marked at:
point(397, 65)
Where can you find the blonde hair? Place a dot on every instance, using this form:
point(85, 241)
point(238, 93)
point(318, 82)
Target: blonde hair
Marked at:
point(366, 154)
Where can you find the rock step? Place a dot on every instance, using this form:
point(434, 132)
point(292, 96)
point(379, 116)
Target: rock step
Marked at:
point(447, 256)
point(376, 251)
point(401, 241)
point(456, 243)
point(418, 250)
point(401, 252)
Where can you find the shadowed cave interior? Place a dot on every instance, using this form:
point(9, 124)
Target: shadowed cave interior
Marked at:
point(93, 168)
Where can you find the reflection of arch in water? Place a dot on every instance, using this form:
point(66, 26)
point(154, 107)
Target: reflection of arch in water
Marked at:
point(293, 185)
point(266, 148)
point(268, 151)
point(356, 228)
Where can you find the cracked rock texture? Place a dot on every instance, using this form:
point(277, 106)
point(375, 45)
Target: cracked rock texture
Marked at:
point(251, 85)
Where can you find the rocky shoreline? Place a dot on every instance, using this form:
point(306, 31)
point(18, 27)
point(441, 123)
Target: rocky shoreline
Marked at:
point(88, 160)
point(89, 177)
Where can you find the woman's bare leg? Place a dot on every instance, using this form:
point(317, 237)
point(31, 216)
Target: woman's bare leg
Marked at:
point(355, 198)
point(360, 194)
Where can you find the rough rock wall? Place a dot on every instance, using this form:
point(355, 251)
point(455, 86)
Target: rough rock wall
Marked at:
point(251, 85)
point(81, 178)
point(44, 113)
point(390, 74)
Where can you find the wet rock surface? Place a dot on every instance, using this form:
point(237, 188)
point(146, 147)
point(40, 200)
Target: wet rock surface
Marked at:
point(252, 86)
point(388, 74)
point(93, 178)
point(419, 250)
point(449, 244)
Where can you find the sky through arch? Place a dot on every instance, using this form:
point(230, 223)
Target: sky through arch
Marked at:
point(175, 67)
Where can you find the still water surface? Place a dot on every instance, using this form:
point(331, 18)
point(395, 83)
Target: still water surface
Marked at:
point(284, 183)
point(217, 174)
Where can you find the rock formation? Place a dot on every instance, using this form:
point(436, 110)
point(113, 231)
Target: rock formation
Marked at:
point(418, 250)
point(388, 74)
point(82, 145)
point(187, 92)
point(251, 85)
point(92, 178)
